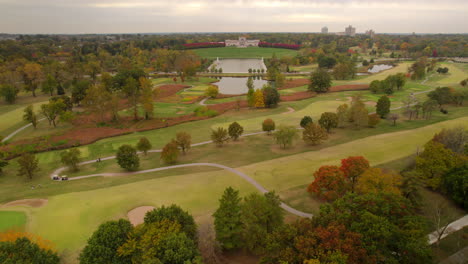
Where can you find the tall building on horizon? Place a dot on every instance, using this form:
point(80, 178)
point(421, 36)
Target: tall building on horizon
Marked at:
point(350, 31)
point(325, 30)
point(370, 33)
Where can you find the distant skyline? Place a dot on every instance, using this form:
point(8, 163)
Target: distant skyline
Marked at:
point(155, 16)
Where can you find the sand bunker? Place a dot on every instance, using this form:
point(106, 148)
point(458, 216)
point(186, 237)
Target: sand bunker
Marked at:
point(137, 215)
point(28, 202)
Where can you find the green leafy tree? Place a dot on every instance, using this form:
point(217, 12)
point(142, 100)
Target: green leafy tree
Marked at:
point(175, 214)
point(235, 130)
point(320, 81)
point(383, 106)
point(328, 120)
point(227, 220)
point(22, 250)
point(272, 97)
point(52, 110)
point(342, 113)
point(261, 215)
point(9, 93)
point(443, 95)
point(103, 244)
point(455, 183)
point(434, 162)
point(28, 165)
point(305, 121)
point(314, 134)
point(144, 145)
point(146, 97)
point(132, 89)
point(71, 158)
point(428, 107)
point(400, 80)
point(159, 242)
point(268, 125)
point(170, 152)
point(49, 85)
point(184, 141)
point(219, 136)
point(285, 135)
point(79, 90)
point(251, 92)
point(30, 116)
point(375, 86)
point(127, 158)
point(97, 101)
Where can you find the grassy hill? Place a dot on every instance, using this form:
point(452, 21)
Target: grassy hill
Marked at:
point(243, 53)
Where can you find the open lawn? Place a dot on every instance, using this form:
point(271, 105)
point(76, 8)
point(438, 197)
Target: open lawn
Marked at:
point(453, 77)
point(12, 220)
point(304, 68)
point(198, 192)
point(243, 53)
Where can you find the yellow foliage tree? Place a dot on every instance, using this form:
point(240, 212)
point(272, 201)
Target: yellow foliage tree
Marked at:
point(259, 100)
point(12, 236)
point(375, 180)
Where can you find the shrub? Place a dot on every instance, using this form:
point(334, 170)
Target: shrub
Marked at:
point(272, 96)
point(285, 135)
point(219, 136)
point(374, 119)
point(205, 111)
point(305, 121)
point(212, 91)
point(314, 134)
point(268, 125)
point(170, 152)
point(328, 120)
point(235, 130)
point(183, 140)
point(127, 158)
point(144, 145)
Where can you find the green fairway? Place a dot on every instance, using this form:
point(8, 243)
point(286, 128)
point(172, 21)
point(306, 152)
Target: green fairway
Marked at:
point(454, 75)
point(12, 220)
point(198, 192)
point(243, 53)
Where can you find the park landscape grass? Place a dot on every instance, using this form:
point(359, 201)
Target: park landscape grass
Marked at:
point(243, 53)
point(12, 220)
point(80, 206)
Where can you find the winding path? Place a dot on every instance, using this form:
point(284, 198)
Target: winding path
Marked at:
point(12, 134)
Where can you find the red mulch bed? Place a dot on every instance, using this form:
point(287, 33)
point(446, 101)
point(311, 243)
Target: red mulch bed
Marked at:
point(222, 96)
point(294, 83)
point(298, 96)
point(169, 90)
point(349, 87)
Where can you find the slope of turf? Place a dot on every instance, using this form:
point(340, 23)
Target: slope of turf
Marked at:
point(12, 220)
point(198, 192)
point(243, 53)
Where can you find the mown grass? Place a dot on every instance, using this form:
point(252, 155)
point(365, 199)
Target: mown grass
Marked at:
point(12, 220)
point(243, 53)
point(198, 192)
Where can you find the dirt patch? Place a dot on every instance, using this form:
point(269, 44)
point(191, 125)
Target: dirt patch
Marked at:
point(349, 87)
point(136, 216)
point(294, 83)
point(290, 110)
point(168, 90)
point(27, 202)
point(180, 112)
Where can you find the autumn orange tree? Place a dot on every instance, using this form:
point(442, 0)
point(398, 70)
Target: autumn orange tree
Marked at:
point(352, 168)
point(13, 235)
point(375, 180)
point(259, 100)
point(329, 183)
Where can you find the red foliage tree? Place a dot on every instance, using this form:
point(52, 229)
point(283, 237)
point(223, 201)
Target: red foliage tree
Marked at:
point(329, 183)
point(352, 167)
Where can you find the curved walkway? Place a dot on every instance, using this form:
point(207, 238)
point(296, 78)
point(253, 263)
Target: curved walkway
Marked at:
point(202, 102)
point(12, 134)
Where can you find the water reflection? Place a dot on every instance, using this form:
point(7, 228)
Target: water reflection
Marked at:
point(379, 67)
point(237, 85)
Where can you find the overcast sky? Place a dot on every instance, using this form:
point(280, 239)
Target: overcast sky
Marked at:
point(151, 16)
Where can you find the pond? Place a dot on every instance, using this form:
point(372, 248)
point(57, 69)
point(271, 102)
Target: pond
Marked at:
point(237, 85)
point(238, 65)
point(379, 67)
